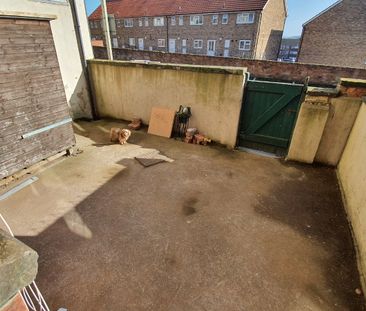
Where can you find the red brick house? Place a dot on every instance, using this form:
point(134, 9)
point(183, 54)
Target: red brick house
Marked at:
point(336, 36)
point(229, 28)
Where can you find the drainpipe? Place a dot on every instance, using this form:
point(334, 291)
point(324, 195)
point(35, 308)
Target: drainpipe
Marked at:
point(167, 34)
point(107, 33)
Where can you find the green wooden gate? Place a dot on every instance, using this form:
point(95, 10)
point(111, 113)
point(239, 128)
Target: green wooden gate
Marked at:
point(268, 115)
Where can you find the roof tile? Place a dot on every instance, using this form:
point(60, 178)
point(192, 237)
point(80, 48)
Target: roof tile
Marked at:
point(138, 8)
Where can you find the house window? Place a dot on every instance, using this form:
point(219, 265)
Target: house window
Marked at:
point(140, 22)
point(158, 21)
point(91, 24)
point(225, 19)
point(181, 20)
point(245, 45)
point(198, 44)
point(161, 43)
point(184, 42)
point(245, 18)
point(146, 22)
point(196, 19)
point(128, 22)
point(173, 21)
point(215, 19)
point(131, 42)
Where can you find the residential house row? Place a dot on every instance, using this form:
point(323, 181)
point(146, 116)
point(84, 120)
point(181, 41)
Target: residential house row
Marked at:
point(246, 34)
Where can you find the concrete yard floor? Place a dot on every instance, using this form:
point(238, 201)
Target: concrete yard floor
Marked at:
point(214, 230)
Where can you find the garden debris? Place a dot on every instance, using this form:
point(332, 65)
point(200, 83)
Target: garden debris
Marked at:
point(190, 135)
point(194, 137)
point(181, 121)
point(200, 139)
point(149, 162)
point(118, 135)
point(135, 124)
point(149, 157)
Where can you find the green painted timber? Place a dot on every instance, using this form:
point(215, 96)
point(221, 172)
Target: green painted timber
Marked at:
point(268, 115)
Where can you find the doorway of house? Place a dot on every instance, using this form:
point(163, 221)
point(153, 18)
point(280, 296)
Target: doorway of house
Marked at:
point(211, 47)
point(141, 43)
point(171, 45)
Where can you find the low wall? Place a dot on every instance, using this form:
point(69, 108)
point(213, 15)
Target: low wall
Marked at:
point(125, 90)
point(325, 121)
point(308, 130)
point(278, 71)
point(352, 177)
point(18, 268)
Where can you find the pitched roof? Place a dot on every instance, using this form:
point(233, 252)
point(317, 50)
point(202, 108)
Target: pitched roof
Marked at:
point(137, 8)
point(322, 12)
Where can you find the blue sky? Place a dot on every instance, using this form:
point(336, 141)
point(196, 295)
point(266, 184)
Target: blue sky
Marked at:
point(299, 12)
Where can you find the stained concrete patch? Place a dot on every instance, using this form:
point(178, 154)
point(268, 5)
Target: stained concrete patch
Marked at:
point(189, 206)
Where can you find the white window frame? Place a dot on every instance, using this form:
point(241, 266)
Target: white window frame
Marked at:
point(140, 22)
point(225, 19)
point(184, 43)
point(128, 22)
point(215, 19)
point(173, 21)
point(132, 42)
point(115, 42)
point(245, 18)
point(161, 43)
point(196, 20)
point(243, 45)
point(227, 43)
point(181, 20)
point(159, 21)
point(198, 44)
point(146, 22)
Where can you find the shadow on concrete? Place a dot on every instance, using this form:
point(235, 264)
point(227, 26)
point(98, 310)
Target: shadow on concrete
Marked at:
point(215, 230)
point(316, 212)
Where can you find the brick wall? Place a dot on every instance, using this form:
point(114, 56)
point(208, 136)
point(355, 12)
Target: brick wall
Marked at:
point(183, 36)
point(337, 37)
point(287, 72)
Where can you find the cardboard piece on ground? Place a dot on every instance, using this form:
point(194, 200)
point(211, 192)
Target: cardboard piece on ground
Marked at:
point(149, 162)
point(161, 121)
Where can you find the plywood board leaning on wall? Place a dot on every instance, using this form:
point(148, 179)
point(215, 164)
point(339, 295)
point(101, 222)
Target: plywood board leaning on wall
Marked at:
point(161, 121)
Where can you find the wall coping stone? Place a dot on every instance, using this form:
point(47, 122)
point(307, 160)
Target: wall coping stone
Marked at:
point(353, 82)
point(18, 266)
point(319, 91)
point(158, 65)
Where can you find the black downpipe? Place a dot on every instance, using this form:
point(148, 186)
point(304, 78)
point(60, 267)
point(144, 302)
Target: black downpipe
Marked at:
point(167, 34)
